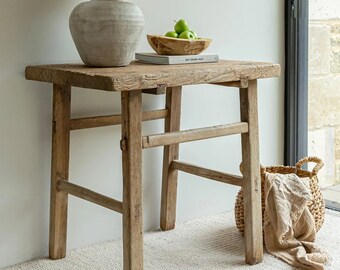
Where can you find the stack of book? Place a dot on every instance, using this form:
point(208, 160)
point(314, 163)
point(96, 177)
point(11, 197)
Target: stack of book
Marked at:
point(153, 58)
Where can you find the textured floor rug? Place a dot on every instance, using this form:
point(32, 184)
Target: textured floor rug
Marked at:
point(206, 243)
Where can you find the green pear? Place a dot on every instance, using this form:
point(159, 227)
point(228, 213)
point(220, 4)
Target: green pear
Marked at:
point(171, 34)
point(187, 35)
point(194, 33)
point(181, 26)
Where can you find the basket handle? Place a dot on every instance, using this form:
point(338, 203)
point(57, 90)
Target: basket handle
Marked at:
point(318, 161)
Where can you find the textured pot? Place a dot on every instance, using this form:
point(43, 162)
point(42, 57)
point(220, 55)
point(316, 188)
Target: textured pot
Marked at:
point(106, 32)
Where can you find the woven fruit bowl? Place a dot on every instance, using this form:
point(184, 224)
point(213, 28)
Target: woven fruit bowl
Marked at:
point(178, 46)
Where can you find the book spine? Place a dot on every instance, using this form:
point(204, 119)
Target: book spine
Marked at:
point(192, 59)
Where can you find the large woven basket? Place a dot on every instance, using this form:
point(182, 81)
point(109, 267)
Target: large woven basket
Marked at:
point(316, 205)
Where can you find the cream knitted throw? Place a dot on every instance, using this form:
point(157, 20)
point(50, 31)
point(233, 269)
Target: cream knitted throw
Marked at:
point(289, 227)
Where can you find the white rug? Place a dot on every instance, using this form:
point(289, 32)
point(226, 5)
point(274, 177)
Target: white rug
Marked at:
point(206, 243)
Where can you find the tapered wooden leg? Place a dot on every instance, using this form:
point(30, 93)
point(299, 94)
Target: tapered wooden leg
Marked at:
point(60, 165)
point(169, 180)
point(131, 145)
point(252, 183)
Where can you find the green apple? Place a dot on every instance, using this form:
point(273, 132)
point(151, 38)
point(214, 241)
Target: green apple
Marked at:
point(194, 33)
point(187, 35)
point(172, 34)
point(181, 26)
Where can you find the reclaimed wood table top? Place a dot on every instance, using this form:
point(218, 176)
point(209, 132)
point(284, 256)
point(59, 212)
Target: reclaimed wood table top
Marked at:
point(138, 76)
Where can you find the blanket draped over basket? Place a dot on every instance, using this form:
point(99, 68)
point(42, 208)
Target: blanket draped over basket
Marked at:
point(316, 204)
point(289, 227)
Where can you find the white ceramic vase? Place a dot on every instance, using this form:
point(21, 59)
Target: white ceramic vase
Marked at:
point(106, 32)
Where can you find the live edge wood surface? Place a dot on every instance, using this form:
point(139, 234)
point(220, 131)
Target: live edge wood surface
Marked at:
point(138, 76)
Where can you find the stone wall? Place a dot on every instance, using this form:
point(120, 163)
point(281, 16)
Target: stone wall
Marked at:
point(324, 87)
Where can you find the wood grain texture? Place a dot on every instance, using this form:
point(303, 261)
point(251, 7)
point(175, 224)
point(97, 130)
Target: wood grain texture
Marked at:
point(109, 120)
point(172, 122)
point(160, 90)
point(243, 83)
point(175, 137)
point(131, 81)
point(89, 195)
point(207, 173)
point(251, 175)
point(178, 46)
point(132, 180)
point(145, 76)
point(59, 170)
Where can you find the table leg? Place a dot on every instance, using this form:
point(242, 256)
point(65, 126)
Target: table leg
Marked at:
point(60, 167)
point(169, 180)
point(252, 183)
point(132, 179)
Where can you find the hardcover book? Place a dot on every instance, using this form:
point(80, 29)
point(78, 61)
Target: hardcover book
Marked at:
point(153, 58)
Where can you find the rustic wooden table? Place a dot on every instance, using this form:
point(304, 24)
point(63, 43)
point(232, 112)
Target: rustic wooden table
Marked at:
point(132, 81)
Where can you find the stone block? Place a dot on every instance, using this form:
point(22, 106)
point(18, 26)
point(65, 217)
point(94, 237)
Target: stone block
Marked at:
point(324, 101)
point(319, 49)
point(324, 9)
point(337, 172)
point(321, 144)
point(335, 46)
point(337, 144)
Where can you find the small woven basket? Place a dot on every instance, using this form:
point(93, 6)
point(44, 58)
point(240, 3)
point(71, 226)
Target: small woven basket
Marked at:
point(316, 205)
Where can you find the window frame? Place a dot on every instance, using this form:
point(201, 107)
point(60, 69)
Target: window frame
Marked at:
point(296, 80)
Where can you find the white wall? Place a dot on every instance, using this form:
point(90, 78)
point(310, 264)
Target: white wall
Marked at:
point(36, 32)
